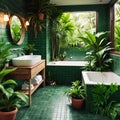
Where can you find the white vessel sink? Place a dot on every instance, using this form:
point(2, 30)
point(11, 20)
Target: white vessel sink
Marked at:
point(26, 60)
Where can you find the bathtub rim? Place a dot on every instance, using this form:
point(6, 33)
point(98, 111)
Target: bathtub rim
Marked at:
point(86, 80)
point(71, 63)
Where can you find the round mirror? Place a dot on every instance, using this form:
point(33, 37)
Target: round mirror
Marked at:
point(16, 29)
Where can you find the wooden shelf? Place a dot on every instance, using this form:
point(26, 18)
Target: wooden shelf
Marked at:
point(33, 90)
point(28, 73)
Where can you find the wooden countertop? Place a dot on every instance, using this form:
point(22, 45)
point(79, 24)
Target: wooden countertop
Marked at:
point(27, 72)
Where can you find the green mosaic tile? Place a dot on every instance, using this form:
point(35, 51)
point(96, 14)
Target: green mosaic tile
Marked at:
point(50, 103)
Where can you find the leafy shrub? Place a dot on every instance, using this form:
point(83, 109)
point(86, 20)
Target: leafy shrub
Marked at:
point(103, 101)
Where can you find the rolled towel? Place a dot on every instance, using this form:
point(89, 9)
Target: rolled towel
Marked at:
point(35, 80)
point(39, 77)
point(25, 86)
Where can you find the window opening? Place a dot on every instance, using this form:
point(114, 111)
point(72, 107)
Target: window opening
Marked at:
point(67, 29)
point(117, 26)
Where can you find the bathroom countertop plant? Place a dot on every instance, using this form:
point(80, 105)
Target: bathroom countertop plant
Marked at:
point(97, 51)
point(30, 48)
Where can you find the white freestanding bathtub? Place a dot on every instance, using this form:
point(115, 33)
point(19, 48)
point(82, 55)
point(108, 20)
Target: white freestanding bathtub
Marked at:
point(92, 78)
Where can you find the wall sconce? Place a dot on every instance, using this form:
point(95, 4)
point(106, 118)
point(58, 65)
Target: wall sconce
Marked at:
point(6, 18)
point(27, 23)
point(4, 8)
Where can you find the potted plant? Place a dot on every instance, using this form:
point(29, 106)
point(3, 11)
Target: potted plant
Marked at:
point(36, 12)
point(10, 100)
point(30, 48)
point(77, 94)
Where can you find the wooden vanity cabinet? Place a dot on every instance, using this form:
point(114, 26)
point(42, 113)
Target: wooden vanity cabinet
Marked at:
point(28, 73)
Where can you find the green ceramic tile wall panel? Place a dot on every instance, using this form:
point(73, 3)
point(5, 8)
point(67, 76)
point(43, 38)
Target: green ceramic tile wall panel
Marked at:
point(74, 54)
point(64, 75)
point(15, 6)
point(18, 9)
point(116, 63)
point(39, 41)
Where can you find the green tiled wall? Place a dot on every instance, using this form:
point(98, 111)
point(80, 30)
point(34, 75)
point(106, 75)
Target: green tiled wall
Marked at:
point(116, 63)
point(15, 6)
point(39, 41)
point(74, 54)
point(18, 9)
point(64, 75)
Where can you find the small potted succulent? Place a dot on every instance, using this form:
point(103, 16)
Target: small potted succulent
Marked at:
point(10, 100)
point(77, 94)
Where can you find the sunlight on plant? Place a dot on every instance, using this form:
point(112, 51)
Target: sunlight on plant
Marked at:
point(68, 28)
point(104, 102)
point(117, 26)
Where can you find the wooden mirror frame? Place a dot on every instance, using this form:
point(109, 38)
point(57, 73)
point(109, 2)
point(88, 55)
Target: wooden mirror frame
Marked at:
point(23, 30)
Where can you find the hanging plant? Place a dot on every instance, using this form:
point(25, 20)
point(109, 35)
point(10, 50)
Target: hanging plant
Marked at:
point(37, 12)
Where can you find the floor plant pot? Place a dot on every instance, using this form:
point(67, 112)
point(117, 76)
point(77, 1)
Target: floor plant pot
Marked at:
point(8, 115)
point(77, 103)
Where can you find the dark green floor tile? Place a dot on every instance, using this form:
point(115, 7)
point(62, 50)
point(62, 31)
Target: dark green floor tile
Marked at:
point(50, 103)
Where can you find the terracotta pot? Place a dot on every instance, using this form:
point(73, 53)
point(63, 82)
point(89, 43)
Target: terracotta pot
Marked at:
point(8, 115)
point(41, 16)
point(77, 103)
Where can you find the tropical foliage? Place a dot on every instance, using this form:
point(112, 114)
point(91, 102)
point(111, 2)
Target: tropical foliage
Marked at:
point(117, 26)
point(36, 7)
point(63, 29)
point(103, 100)
point(97, 50)
point(5, 53)
point(9, 98)
point(77, 90)
point(68, 28)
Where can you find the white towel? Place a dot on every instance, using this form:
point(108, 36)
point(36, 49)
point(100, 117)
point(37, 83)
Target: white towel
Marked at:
point(36, 79)
point(25, 86)
point(39, 77)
